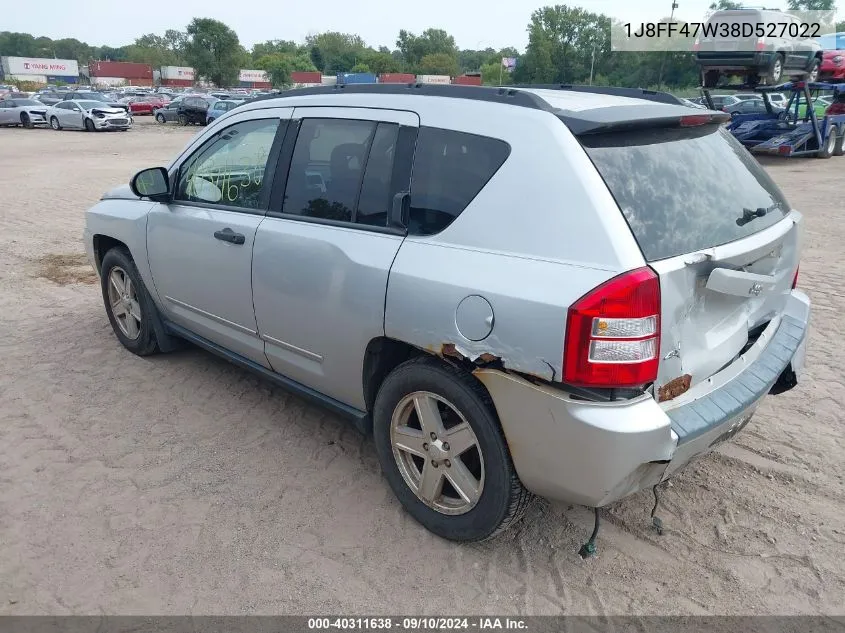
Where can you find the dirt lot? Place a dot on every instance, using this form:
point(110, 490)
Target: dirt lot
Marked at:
point(180, 484)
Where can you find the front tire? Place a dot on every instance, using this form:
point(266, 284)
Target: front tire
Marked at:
point(813, 72)
point(54, 123)
point(26, 121)
point(160, 118)
point(130, 308)
point(442, 451)
point(89, 126)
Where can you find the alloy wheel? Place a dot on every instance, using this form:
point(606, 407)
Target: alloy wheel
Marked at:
point(123, 300)
point(437, 453)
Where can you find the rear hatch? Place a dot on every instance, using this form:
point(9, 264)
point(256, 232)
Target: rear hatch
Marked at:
point(714, 227)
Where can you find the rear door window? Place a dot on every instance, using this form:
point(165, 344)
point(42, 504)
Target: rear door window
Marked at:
point(450, 168)
point(685, 189)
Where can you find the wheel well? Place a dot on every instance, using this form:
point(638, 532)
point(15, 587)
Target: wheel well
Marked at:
point(383, 355)
point(102, 245)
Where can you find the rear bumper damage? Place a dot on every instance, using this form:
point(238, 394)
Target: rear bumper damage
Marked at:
point(594, 453)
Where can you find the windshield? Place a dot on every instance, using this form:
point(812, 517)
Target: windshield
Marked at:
point(98, 96)
point(685, 189)
point(28, 102)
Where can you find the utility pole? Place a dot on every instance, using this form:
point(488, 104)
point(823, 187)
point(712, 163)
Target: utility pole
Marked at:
point(663, 59)
point(593, 62)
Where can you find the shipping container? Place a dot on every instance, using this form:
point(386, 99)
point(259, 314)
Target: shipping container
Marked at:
point(41, 79)
point(177, 72)
point(39, 66)
point(305, 77)
point(467, 80)
point(259, 85)
point(183, 83)
point(253, 75)
point(125, 70)
point(121, 81)
point(328, 80)
point(434, 79)
point(356, 78)
point(397, 78)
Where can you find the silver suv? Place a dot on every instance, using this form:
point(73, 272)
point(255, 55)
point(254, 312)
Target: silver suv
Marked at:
point(566, 292)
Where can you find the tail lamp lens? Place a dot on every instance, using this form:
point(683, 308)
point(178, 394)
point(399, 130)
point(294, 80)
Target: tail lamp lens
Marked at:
point(613, 333)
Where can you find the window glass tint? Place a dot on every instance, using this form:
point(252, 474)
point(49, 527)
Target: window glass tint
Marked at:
point(229, 170)
point(374, 202)
point(450, 168)
point(326, 168)
point(682, 190)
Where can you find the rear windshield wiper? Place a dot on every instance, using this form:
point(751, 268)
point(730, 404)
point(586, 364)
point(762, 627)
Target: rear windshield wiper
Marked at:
point(750, 214)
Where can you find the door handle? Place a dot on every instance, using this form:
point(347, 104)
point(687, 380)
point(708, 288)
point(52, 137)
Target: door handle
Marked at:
point(228, 235)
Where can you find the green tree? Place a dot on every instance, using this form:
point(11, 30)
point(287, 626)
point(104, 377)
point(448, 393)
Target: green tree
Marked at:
point(334, 52)
point(282, 47)
point(811, 5)
point(214, 51)
point(438, 64)
point(563, 44)
point(279, 66)
point(380, 61)
point(430, 42)
point(725, 5)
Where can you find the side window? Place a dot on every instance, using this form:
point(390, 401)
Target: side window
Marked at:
point(450, 168)
point(229, 169)
point(374, 201)
point(327, 167)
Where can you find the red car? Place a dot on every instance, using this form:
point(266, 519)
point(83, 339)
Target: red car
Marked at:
point(833, 66)
point(145, 105)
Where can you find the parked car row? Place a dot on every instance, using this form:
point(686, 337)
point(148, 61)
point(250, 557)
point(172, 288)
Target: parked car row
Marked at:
point(195, 109)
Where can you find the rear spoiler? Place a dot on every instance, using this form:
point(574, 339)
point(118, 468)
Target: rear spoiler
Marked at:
point(633, 117)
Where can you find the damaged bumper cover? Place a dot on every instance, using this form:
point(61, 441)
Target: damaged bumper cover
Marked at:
point(593, 453)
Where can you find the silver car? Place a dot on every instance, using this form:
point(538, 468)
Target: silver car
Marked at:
point(25, 112)
point(559, 292)
point(92, 116)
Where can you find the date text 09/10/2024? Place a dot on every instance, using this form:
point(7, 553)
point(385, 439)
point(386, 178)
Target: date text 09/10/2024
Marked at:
point(415, 623)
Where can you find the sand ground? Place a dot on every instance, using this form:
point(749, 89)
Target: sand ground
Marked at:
point(180, 484)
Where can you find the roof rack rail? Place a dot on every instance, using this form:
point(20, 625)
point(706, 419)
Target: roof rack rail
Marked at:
point(506, 95)
point(634, 93)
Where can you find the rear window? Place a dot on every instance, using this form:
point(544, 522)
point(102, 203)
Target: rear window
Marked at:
point(683, 190)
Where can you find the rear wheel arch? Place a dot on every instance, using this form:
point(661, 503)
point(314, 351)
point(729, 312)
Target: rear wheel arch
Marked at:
point(382, 356)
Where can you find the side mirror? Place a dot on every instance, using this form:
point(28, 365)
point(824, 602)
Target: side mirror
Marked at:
point(399, 211)
point(152, 183)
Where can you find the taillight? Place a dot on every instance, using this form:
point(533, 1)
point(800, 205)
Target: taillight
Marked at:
point(761, 44)
point(613, 333)
point(795, 278)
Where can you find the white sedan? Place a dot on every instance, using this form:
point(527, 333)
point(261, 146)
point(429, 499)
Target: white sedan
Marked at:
point(88, 115)
point(25, 112)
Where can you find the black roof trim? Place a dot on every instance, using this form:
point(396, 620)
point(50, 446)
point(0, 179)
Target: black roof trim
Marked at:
point(506, 96)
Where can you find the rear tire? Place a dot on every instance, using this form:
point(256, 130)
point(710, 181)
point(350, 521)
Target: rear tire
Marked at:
point(829, 144)
point(133, 318)
point(839, 148)
point(183, 119)
point(495, 496)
